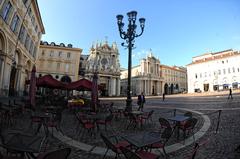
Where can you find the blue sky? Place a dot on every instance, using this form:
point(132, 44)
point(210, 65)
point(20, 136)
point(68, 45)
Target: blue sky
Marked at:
point(175, 30)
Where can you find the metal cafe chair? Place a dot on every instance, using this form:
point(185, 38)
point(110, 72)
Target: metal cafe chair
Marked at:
point(188, 127)
point(165, 135)
point(115, 147)
point(137, 155)
point(105, 122)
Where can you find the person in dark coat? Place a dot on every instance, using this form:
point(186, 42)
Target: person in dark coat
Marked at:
point(141, 101)
point(230, 94)
point(163, 96)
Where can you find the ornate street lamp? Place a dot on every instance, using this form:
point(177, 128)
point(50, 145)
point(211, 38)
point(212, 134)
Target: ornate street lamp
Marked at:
point(129, 36)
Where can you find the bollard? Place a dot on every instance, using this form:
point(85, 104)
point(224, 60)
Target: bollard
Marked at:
point(219, 116)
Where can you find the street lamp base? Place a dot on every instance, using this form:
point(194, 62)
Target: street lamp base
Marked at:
point(129, 105)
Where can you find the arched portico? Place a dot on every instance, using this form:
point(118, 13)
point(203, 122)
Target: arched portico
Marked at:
point(2, 53)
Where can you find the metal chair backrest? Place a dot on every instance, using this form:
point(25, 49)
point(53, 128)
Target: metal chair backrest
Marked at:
point(56, 154)
point(164, 123)
point(193, 122)
point(129, 154)
point(190, 123)
point(166, 134)
point(109, 144)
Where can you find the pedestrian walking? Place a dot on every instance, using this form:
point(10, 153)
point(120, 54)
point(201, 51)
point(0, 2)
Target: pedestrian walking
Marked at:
point(141, 101)
point(230, 94)
point(163, 96)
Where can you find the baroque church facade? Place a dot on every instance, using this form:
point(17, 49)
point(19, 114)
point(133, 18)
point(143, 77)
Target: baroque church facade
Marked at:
point(102, 59)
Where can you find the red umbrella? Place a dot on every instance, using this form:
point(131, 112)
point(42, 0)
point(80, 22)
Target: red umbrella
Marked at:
point(94, 91)
point(32, 88)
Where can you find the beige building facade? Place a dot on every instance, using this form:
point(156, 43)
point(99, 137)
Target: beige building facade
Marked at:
point(153, 78)
point(104, 60)
point(61, 61)
point(21, 28)
point(175, 79)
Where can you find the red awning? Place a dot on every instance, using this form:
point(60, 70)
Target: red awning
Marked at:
point(49, 82)
point(82, 84)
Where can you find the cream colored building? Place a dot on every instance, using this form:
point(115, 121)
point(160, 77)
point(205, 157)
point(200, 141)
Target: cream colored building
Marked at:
point(21, 29)
point(175, 79)
point(61, 61)
point(153, 78)
point(103, 59)
point(214, 71)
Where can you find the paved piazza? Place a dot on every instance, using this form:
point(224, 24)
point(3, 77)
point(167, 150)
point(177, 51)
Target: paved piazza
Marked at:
point(213, 145)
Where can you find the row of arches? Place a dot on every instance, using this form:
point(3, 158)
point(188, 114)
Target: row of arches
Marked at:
point(171, 88)
point(15, 67)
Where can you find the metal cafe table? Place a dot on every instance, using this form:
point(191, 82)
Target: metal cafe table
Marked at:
point(142, 139)
point(178, 119)
point(20, 142)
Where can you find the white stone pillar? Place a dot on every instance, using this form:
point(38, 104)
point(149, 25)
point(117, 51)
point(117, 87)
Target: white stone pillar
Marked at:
point(109, 87)
point(118, 87)
point(113, 85)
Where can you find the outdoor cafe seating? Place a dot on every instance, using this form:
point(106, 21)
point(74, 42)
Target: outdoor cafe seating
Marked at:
point(114, 146)
point(21, 144)
point(129, 154)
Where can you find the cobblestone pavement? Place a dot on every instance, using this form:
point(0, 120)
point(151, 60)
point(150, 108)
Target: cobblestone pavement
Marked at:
point(220, 145)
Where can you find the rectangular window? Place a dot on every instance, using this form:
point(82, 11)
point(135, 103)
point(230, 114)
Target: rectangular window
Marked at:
point(58, 66)
point(219, 72)
point(68, 55)
point(67, 68)
point(31, 48)
point(6, 10)
point(29, 12)
point(229, 70)
point(238, 69)
point(35, 52)
point(60, 53)
point(224, 71)
point(51, 54)
point(14, 23)
point(22, 33)
point(27, 42)
point(233, 70)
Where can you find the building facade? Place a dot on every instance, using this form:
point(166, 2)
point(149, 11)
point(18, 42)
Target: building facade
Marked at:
point(104, 60)
point(175, 79)
point(146, 77)
point(61, 61)
point(214, 71)
point(153, 78)
point(21, 29)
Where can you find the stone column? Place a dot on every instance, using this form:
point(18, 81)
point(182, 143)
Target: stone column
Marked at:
point(113, 86)
point(1, 74)
point(109, 87)
point(118, 87)
point(19, 80)
point(145, 87)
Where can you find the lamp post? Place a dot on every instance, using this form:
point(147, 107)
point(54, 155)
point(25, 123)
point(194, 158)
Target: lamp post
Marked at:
point(129, 36)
